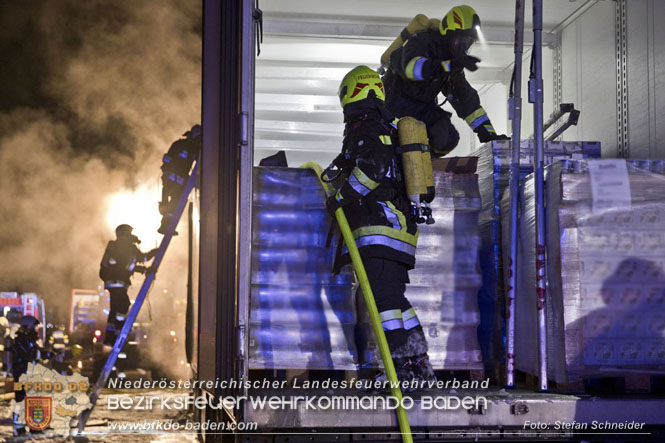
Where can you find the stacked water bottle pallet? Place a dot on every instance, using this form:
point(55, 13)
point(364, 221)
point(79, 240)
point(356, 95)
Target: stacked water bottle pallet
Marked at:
point(606, 274)
point(301, 316)
point(493, 176)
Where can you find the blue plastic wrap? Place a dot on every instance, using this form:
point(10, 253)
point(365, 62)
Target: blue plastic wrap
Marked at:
point(301, 316)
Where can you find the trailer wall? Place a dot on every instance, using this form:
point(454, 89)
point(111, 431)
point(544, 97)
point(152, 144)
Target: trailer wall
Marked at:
point(592, 73)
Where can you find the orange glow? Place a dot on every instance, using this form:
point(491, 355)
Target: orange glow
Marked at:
point(138, 208)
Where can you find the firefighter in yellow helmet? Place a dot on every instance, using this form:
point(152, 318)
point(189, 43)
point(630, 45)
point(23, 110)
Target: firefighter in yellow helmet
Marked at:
point(373, 195)
point(434, 61)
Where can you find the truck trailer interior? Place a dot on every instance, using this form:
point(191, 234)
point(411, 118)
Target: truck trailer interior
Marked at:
point(270, 77)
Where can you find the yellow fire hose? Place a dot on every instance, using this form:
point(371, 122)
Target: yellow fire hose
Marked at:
point(358, 266)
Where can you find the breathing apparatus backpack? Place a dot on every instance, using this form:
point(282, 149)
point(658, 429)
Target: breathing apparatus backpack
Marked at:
point(416, 166)
point(416, 162)
point(417, 24)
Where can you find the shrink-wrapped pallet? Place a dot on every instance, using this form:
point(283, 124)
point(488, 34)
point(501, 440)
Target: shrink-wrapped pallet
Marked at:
point(301, 316)
point(493, 175)
point(605, 266)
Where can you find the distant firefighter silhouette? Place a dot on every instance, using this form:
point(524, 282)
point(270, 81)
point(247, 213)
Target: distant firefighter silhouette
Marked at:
point(176, 164)
point(25, 350)
point(120, 261)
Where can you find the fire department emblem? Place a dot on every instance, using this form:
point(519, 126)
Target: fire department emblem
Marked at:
point(38, 412)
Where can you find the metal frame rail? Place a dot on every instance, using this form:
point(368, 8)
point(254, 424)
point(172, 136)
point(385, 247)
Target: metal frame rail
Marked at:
point(536, 97)
point(514, 180)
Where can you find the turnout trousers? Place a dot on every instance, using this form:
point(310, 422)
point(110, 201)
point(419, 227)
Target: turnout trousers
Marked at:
point(443, 137)
point(388, 280)
point(118, 309)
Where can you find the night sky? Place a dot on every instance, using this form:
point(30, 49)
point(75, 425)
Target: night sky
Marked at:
point(92, 94)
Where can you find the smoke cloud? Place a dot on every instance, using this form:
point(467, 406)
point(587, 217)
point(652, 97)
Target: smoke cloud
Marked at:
point(93, 93)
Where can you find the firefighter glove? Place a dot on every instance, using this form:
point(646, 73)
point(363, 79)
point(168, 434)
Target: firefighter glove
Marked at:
point(464, 62)
point(486, 134)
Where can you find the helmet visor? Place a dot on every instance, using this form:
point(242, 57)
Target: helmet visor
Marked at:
point(461, 44)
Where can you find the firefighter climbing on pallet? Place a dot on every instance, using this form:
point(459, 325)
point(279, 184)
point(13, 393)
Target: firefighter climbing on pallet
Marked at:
point(429, 57)
point(375, 201)
point(121, 259)
point(176, 164)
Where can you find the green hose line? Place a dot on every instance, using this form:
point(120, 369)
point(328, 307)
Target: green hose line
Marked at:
point(384, 350)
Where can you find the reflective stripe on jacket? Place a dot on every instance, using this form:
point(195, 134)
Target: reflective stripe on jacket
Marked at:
point(374, 195)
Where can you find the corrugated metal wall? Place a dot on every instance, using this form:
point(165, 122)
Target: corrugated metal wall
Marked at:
point(646, 78)
point(589, 76)
point(589, 68)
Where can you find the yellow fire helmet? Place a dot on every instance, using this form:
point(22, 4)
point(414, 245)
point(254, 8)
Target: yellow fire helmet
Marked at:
point(358, 85)
point(77, 350)
point(460, 18)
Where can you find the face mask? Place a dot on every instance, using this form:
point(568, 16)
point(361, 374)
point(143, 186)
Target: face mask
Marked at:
point(130, 238)
point(460, 45)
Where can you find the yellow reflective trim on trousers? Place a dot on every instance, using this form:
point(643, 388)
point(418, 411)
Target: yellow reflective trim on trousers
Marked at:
point(390, 315)
point(410, 67)
point(409, 314)
point(474, 115)
point(385, 139)
point(388, 232)
point(364, 179)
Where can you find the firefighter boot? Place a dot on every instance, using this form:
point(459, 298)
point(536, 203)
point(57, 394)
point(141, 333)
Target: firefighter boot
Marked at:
point(417, 351)
point(403, 369)
point(404, 374)
point(423, 371)
point(166, 220)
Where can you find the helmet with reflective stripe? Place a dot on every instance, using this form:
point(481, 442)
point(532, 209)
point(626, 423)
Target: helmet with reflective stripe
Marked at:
point(360, 83)
point(460, 20)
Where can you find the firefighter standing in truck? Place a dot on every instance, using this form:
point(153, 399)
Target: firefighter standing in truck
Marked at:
point(433, 61)
point(374, 199)
point(121, 259)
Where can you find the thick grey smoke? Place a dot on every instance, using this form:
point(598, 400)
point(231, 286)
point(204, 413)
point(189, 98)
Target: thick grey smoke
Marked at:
point(92, 93)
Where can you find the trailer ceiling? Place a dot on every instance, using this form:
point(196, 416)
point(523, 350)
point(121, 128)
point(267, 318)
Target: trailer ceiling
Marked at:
point(309, 46)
